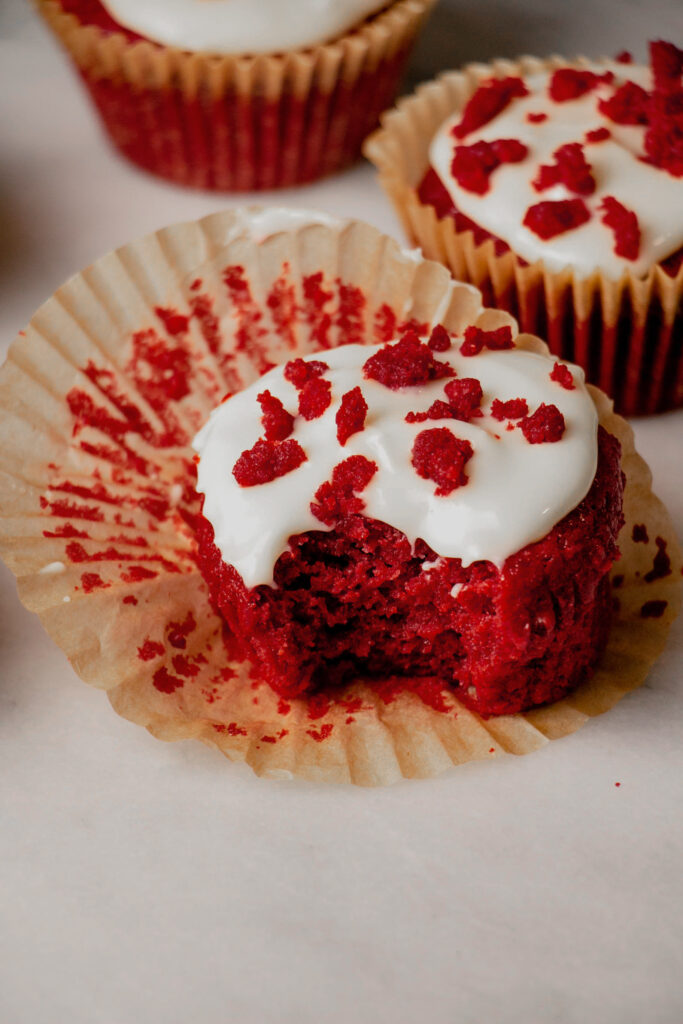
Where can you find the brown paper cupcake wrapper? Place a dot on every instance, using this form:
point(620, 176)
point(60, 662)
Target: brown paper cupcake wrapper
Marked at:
point(627, 334)
point(99, 399)
point(237, 122)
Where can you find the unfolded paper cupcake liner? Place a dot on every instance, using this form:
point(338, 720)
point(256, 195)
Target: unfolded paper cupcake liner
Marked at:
point(99, 400)
point(627, 334)
point(239, 123)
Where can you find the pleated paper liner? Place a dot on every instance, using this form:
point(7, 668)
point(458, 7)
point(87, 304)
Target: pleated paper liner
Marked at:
point(627, 334)
point(99, 400)
point(241, 123)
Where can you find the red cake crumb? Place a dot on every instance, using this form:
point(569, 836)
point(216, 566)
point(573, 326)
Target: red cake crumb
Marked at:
point(278, 424)
point(536, 118)
point(350, 418)
point(624, 224)
point(163, 681)
point(514, 409)
point(553, 217)
point(129, 599)
point(628, 104)
point(407, 363)
point(299, 371)
point(93, 581)
point(439, 339)
point(546, 425)
point(490, 98)
point(562, 375)
point(266, 461)
point(570, 83)
point(477, 339)
point(464, 397)
point(639, 533)
point(440, 456)
point(472, 166)
point(338, 498)
point(570, 169)
point(661, 566)
point(314, 398)
point(624, 57)
point(653, 609)
point(150, 649)
point(354, 601)
point(598, 135)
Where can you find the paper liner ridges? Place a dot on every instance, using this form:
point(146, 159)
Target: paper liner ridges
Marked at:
point(96, 514)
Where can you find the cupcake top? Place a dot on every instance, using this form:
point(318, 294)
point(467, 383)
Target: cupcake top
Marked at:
point(581, 166)
point(472, 445)
point(241, 26)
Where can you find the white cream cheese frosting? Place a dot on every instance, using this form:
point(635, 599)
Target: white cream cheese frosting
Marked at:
point(241, 26)
point(516, 491)
point(654, 195)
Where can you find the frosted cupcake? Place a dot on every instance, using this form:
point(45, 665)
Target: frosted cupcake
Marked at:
point(557, 188)
point(238, 94)
point(441, 508)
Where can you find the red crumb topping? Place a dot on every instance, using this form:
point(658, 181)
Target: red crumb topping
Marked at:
point(350, 418)
point(562, 375)
point(464, 397)
point(477, 339)
point(570, 169)
point(514, 409)
point(570, 83)
point(439, 339)
point(667, 65)
point(266, 461)
point(490, 98)
point(299, 371)
point(554, 217)
point(129, 599)
point(545, 425)
point(472, 166)
point(278, 424)
point(536, 118)
point(653, 609)
point(624, 224)
point(314, 398)
point(627, 105)
point(338, 498)
point(598, 135)
point(407, 363)
point(440, 456)
point(639, 533)
point(438, 410)
point(624, 57)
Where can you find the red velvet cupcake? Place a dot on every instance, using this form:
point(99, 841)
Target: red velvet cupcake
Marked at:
point(556, 188)
point(239, 96)
point(432, 508)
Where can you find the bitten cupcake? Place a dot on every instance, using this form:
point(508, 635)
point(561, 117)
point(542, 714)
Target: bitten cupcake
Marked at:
point(557, 188)
point(430, 507)
point(409, 510)
point(238, 94)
